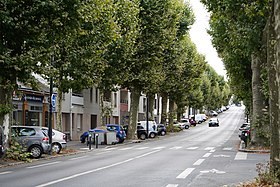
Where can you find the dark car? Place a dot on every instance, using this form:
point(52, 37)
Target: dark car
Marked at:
point(213, 122)
point(161, 129)
point(141, 132)
point(120, 132)
point(84, 136)
point(32, 138)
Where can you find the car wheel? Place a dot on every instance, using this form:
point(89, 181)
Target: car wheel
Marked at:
point(187, 127)
point(162, 133)
point(56, 148)
point(142, 136)
point(36, 151)
point(152, 135)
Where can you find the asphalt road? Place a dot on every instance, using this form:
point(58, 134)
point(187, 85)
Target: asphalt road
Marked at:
point(200, 156)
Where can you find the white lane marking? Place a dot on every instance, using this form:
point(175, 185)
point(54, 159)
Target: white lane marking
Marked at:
point(103, 152)
point(77, 158)
point(85, 148)
point(141, 148)
point(5, 172)
point(172, 185)
point(222, 156)
point(209, 148)
point(94, 170)
point(213, 171)
point(240, 156)
point(124, 149)
point(206, 155)
point(111, 148)
point(198, 162)
point(212, 151)
point(42, 165)
point(192, 148)
point(158, 148)
point(176, 147)
point(227, 148)
point(185, 173)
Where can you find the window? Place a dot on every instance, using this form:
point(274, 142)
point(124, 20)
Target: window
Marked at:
point(79, 121)
point(144, 104)
point(115, 100)
point(96, 95)
point(27, 132)
point(90, 95)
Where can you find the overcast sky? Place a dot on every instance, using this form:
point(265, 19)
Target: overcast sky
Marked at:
point(202, 40)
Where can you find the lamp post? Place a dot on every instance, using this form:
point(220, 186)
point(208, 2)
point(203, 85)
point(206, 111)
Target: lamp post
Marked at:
point(50, 114)
point(147, 116)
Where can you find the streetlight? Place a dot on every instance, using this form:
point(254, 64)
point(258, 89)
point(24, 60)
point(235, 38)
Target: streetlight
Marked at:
point(147, 115)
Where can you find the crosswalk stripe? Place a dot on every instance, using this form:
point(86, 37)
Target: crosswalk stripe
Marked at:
point(185, 173)
point(209, 148)
point(227, 148)
point(240, 156)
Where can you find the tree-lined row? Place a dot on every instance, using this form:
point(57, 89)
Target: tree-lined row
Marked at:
point(140, 45)
point(246, 35)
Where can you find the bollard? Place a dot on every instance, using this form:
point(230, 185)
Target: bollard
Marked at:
point(96, 141)
point(89, 136)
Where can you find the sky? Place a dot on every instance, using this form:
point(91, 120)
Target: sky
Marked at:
point(202, 39)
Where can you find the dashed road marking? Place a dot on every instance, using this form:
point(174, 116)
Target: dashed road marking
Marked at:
point(185, 173)
point(42, 165)
point(212, 151)
point(198, 162)
point(141, 148)
point(172, 185)
point(176, 147)
point(227, 148)
point(240, 156)
point(192, 148)
point(221, 156)
point(158, 148)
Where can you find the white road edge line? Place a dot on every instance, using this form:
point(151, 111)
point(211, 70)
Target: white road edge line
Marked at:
point(94, 170)
point(185, 173)
point(5, 172)
point(76, 158)
point(42, 165)
point(198, 162)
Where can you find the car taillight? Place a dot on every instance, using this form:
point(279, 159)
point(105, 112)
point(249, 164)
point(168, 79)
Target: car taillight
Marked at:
point(64, 137)
point(45, 139)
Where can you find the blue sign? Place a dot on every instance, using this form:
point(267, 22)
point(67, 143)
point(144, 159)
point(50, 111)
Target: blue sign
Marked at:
point(53, 98)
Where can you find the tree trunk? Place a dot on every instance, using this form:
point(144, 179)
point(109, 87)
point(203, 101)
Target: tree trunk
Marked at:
point(59, 109)
point(257, 132)
point(164, 108)
point(275, 88)
point(133, 114)
point(171, 112)
point(151, 106)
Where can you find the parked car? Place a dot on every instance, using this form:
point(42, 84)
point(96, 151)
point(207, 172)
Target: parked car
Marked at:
point(192, 122)
point(141, 132)
point(2, 142)
point(58, 140)
point(213, 122)
point(244, 126)
point(213, 113)
point(32, 138)
point(120, 132)
point(152, 127)
point(184, 123)
point(161, 129)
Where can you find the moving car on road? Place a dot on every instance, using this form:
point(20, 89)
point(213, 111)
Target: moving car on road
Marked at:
point(213, 122)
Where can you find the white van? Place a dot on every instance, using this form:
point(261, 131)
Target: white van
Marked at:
point(152, 127)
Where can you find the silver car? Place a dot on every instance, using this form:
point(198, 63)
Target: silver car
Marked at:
point(58, 140)
point(32, 138)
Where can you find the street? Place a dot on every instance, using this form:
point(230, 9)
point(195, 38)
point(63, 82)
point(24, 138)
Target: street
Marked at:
point(200, 156)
